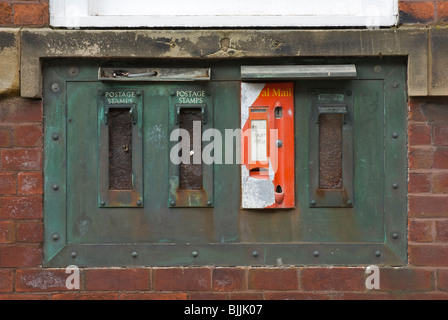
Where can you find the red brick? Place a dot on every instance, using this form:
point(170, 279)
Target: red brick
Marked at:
point(86, 296)
point(29, 232)
point(21, 208)
point(117, 279)
point(428, 206)
point(442, 280)
point(41, 280)
point(440, 183)
point(420, 158)
point(21, 159)
point(419, 183)
point(20, 110)
point(442, 231)
point(229, 279)
point(424, 296)
point(30, 14)
point(7, 184)
point(419, 134)
point(412, 12)
point(440, 159)
point(421, 231)
point(154, 296)
point(30, 183)
point(428, 255)
point(441, 135)
point(333, 279)
point(273, 279)
point(7, 231)
point(406, 280)
point(207, 296)
point(5, 137)
point(297, 296)
point(6, 281)
point(28, 136)
point(5, 13)
point(415, 110)
point(20, 256)
point(181, 279)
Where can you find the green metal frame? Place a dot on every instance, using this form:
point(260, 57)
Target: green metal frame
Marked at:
point(77, 231)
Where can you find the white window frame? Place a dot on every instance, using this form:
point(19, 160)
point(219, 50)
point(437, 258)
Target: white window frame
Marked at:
point(223, 13)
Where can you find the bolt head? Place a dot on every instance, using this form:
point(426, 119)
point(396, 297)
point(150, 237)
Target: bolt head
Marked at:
point(55, 187)
point(102, 203)
point(316, 253)
point(134, 254)
point(313, 202)
point(73, 254)
point(255, 253)
point(395, 235)
point(172, 203)
point(395, 185)
point(139, 203)
point(55, 136)
point(195, 254)
point(209, 203)
point(378, 253)
point(55, 236)
point(395, 135)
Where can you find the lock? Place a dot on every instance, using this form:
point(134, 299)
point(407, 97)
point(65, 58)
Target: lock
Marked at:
point(267, 121)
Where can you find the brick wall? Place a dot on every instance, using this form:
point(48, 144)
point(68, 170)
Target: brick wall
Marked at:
point(22, 276)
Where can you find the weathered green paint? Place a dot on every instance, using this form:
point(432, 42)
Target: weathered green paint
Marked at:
point(222, 234)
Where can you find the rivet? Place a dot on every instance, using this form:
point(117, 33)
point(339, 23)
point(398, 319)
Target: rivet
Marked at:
point(102, 203)
point(255, 253)
point(139, 93)
point(394, 135)
point(194, 254)
point(316, 253)
point(55, 187)
point(55, 136)
point(55, 236)
point(55, 87)
point(172, 93)
point(395, 84)
point(395, 185)
point(209, 203)
point(172, 203)
point(73, 254)
point(395, 235)
point(134, 254)
point(313, 202)
point(378, 253)
point(377, 68)
point(139, 203)
point(349, 202)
